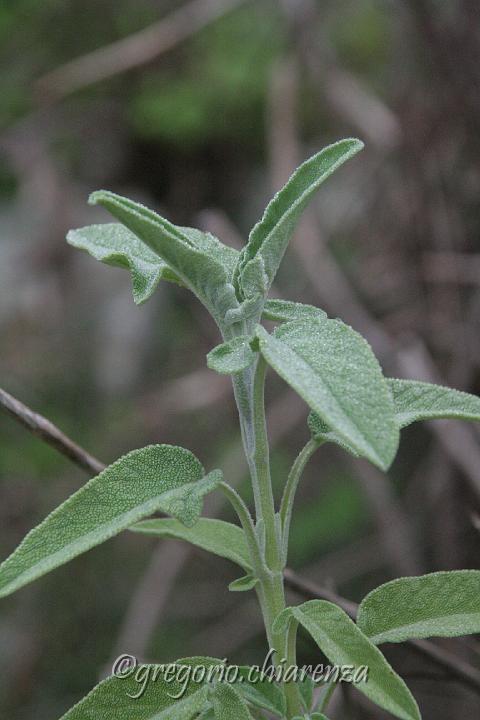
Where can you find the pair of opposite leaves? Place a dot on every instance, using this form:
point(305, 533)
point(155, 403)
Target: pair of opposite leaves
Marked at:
point(232, 287)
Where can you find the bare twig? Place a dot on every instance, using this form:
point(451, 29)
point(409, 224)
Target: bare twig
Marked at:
point(47, 431)
point(456, 667)
point(133, 51)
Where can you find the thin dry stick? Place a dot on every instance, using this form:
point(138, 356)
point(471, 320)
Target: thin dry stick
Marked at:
point(133, 51)
point(457, 668)
point(51, 434)
point(47, 431)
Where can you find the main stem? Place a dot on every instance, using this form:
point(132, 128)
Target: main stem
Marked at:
point(249, 389)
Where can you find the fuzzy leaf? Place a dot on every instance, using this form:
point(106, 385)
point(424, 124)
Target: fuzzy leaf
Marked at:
point(158, 477)
point(270, 237)
point(113, 244)
point(315, 716)
point(286, 310)
point(333, 368)
point(441, 604)
point(262, 693)
point(243, 584)
point(200, 261)
point(416, 400)
point(231, 357)
point(215, 536)
point(162, 699)
point(321, 432)
point(228, 704)
point(344, 643)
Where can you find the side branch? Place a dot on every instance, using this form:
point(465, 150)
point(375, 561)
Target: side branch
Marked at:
point(49, 433)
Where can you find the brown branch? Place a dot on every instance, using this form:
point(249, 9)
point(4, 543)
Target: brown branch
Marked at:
point(49, 433)
point(54, 437)
point(456, 667)
point(133, 51)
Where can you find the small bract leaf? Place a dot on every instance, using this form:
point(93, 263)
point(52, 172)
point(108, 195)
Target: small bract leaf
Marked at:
point(286, 310)
point(114, 244)
point(345, 644)
point(441, 604)
point(243, 584)
point(158, 477)
point(228, 704)
point(148, 692)
point(270, 237)
point(416, 400)
point(232, 356)
point(335, 371)
point(200, 264)
point(215, 536)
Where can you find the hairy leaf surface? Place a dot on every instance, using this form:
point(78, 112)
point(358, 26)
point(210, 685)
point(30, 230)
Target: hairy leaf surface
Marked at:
point(228, 704)
point(286, 310)
point(231, 357)
point(215, 536)
point(165, 697)
point(333, 368)
point(200, 261)
point(441, 604)
point(113, 244)
point(344, 643)
point(158, 477)
point(270, 237)
point(416, 400)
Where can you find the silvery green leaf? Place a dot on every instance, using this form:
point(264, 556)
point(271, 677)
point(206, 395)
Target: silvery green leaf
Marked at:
point(114, 244)
point(322, 432)
point(254, 278)
point(335, 371)
point(158, 477)
point(148, 693)
point(345, 644)
point(243, 584)
point(228, 704)
point(261, 693)
point(215, 536)
point(286, 310)
point(249, 309)
point(270, 237)
point(441, 604)
point(315, 716)
point(199, 264)
point(232, 356)
point(416, 400)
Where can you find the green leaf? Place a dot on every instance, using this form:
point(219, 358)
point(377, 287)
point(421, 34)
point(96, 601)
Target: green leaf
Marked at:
point(243, 584)
point(158, 477)
point(441, 604)
point(344, 643)
point(200, 261)
point(262, 693)
point(315, 716)
point(150, 692)
point(215, 536)
point(270, 237)
point(416, 400)
point(322, 432)
point(334, 370)
point(286, 310)
point(228, 704)
point(113, 244)
point(231, 357)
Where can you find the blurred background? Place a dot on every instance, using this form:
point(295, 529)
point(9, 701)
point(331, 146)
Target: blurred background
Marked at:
point(201, 109)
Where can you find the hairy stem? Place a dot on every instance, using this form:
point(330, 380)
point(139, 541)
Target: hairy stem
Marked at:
point(291, 487)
